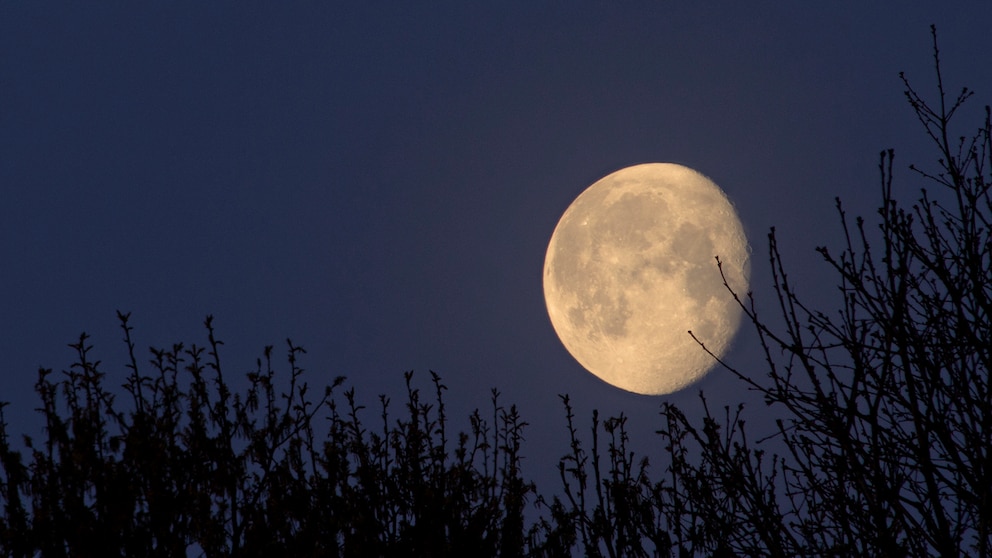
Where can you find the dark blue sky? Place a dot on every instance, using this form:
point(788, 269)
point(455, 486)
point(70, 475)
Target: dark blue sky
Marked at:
point(379, 181)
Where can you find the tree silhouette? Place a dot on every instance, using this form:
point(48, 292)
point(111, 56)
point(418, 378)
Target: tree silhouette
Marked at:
point(882, 448)
point(190, 467)
point(884, 445)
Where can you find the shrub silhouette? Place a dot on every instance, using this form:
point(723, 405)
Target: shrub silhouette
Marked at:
point(884, 445)
point(882, 448)
point(191, 466)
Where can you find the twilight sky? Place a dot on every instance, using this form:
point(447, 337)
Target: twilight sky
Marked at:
point(379, 181)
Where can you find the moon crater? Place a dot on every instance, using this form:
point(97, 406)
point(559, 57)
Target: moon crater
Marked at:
point(630, 268)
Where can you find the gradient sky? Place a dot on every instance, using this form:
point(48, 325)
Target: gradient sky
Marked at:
point(379, 181)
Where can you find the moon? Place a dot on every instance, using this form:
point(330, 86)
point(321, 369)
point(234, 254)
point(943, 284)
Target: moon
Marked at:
point(630, 270)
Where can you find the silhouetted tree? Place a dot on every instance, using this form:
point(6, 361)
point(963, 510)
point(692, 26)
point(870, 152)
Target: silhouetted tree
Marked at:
point(189, 467)
point(884, 446)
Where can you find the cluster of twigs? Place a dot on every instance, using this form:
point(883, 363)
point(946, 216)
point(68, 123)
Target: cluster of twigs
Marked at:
point(191, 467)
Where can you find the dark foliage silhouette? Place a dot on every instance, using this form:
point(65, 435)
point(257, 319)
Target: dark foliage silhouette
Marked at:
point(191, 467)
point(882, 447)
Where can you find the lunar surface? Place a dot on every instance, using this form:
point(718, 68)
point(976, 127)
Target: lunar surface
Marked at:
point(630, 269)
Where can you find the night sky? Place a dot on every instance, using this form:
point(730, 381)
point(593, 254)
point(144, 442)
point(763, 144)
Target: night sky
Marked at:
point(379, 181)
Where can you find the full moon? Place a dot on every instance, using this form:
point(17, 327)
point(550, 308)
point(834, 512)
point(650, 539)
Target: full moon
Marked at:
point(631, 269)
